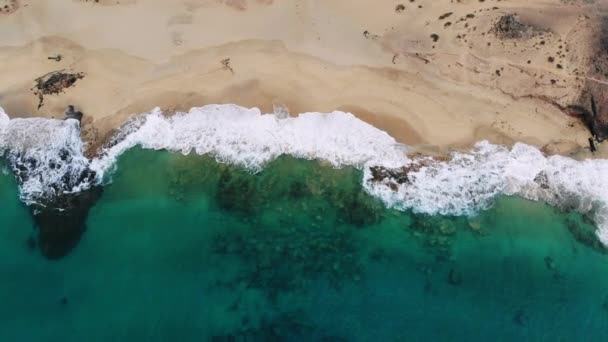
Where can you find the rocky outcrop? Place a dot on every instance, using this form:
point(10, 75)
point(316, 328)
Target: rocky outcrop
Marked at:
point(72, 113)
point(592, 104)
point(394, 177)
point(60, 214)
point(55, 179)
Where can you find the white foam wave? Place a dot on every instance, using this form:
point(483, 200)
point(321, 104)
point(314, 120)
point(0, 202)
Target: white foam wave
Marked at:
point(251, 139)
point(4, 119)
point(467, 183)
point(46, 155)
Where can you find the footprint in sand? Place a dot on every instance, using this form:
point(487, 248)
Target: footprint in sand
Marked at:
point(8, 6)
point(242, 5)
point(110, 2)
point(177, 38)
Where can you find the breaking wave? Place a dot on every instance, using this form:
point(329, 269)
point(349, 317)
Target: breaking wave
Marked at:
point(47, 157)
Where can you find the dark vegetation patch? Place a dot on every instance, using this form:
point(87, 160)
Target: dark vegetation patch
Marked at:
point(54, 83)
point(445, 15)
point(509, 26)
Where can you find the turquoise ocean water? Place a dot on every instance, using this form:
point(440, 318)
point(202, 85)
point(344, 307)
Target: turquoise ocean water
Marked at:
point(182, 248)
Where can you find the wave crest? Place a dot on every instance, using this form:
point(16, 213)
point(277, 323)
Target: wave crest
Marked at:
point(461, 185)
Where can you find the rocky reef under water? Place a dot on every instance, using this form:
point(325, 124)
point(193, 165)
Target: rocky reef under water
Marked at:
point(60, 210)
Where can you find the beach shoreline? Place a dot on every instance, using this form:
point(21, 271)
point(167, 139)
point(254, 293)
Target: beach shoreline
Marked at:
point(376, 61)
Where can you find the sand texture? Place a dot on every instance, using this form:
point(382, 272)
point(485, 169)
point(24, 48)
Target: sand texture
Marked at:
point(434, 74)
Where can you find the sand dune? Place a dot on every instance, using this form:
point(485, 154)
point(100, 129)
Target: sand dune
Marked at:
point(434, 74)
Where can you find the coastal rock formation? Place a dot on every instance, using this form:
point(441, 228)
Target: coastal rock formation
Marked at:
point(60, 215)
point(592, 105)
point(395, 177)
point(592, 108)
point(55, 179)
point(72, 113)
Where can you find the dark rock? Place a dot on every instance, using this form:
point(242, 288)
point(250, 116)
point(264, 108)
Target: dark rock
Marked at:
point(542, 180)
point(585, 233)
point(592, 104)
point(454, 277)
point(31, 242)
point(549, 263)
point(592, 145)
point(361, 210)
point(380, 173)
point(59, 213)
point(61, 221)
point(237, 192)
point(288, 326)
point(592, 109)
point(71, 113)
point(520, 317)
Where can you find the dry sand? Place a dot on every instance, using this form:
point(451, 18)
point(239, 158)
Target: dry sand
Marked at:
point(371, 58)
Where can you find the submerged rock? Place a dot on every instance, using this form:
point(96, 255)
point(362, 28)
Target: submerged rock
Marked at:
point(360, 210)
point(54, 178)
point(286, 326)
point(520, 318)
point(281, 259)
point(62, 221)
point(454, 277)
point(585, 233)
point(60, 213)
point(236, 191)
point(549, 263)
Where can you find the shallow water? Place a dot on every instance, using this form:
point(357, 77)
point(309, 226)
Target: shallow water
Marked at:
point(183, 248)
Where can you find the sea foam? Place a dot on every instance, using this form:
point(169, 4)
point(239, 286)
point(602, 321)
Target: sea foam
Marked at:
point(469, 182)
point(46, 156)
point(251, 139)
point(462, 185)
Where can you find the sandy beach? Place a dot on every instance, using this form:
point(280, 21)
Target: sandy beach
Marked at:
point(433, 74)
